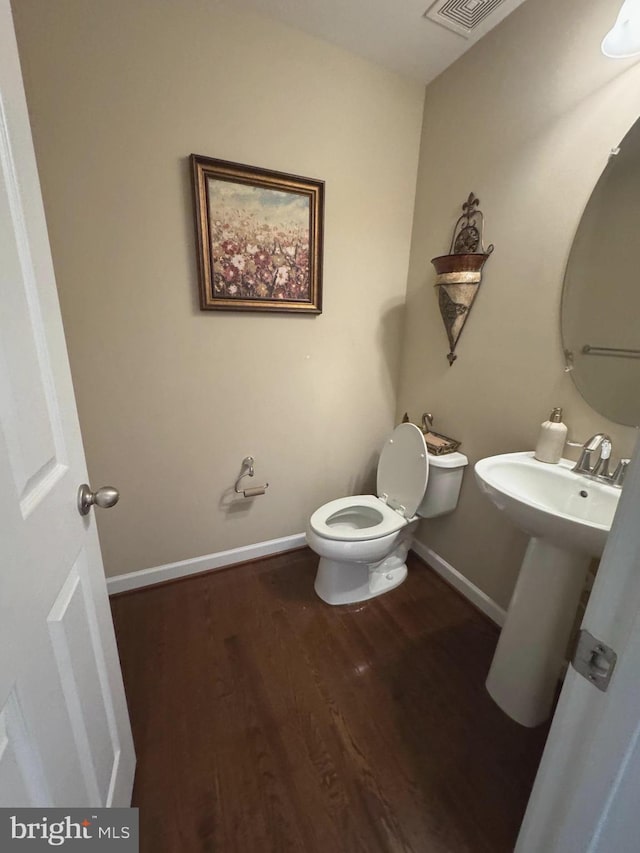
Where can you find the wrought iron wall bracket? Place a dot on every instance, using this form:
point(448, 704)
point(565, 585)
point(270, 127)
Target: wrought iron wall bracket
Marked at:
point(459, 273)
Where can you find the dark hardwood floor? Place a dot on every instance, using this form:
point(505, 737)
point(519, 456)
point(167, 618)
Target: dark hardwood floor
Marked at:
point(266, 721)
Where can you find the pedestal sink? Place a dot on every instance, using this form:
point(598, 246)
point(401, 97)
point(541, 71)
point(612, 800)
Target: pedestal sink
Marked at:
point(568, 517)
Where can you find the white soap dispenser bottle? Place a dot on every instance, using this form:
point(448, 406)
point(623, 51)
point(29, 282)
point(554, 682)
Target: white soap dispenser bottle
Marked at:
point(552, 438)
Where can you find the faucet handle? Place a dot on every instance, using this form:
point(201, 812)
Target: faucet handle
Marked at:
point(583, 465)
point(617, 478)
point(601, 468)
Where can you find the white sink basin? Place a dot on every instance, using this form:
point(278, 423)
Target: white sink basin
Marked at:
point(550, 501)
point(568, 517)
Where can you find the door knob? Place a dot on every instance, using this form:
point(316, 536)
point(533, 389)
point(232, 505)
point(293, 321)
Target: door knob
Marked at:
point(104, 497)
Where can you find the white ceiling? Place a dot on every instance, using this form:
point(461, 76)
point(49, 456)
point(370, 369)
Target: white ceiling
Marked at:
point(392, 33)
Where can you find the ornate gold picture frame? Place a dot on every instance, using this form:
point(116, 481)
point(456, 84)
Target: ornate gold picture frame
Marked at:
point(259, 238)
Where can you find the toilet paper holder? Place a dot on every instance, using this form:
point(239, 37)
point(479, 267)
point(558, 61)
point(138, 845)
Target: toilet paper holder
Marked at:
point(248, 470)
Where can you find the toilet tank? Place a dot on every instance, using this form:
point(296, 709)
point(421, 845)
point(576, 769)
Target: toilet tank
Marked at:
point(443, 485)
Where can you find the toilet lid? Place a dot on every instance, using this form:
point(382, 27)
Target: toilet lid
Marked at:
point(403, 469)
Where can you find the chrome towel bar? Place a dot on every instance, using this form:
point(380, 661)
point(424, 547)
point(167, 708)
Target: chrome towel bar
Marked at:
point(616, 352)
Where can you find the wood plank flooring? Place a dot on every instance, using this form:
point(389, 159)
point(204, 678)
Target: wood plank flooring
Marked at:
point(266, 721)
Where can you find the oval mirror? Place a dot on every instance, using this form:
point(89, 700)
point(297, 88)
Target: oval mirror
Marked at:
point(601, 295)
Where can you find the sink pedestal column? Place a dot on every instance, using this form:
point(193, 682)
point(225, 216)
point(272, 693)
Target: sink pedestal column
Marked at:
point(531, 650)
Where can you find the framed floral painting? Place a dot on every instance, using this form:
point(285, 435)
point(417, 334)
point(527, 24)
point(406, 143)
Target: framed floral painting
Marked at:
point(259, 238)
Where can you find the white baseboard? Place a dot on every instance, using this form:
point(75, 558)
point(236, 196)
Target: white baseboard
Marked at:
point(458, 581)
point(220, 560)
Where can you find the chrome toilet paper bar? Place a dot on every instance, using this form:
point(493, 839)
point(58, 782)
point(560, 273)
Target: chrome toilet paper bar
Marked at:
point(248, 471)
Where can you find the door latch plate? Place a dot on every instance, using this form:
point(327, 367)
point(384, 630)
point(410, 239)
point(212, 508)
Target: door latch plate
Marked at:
point(594, 660)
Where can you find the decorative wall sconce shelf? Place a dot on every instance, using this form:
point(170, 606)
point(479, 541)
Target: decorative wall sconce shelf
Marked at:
point(460, 272)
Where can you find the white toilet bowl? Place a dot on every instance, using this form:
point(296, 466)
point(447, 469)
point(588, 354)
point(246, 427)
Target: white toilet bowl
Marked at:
point(363, 540)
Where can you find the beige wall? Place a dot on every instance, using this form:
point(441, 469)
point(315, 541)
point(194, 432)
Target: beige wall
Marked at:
point(525, 120)
point(170, 398)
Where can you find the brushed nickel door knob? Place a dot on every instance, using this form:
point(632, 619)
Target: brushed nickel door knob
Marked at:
point(104, 497)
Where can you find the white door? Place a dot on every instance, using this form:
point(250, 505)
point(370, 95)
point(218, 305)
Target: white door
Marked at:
point(65, 738)
point(586, 797)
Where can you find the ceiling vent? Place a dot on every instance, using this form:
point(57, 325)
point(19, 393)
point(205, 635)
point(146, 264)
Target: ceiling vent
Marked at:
point(463, 17)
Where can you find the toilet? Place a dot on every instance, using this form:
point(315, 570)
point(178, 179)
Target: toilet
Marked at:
point(363, 540)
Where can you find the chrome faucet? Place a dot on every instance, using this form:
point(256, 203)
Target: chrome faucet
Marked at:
point(599, 470)
point(601, 442)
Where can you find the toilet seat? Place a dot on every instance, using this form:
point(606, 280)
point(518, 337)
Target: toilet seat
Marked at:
point(356, 518)
point(403, 469)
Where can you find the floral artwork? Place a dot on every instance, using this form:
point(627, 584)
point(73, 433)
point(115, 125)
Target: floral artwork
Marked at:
point(259, 238)
point(261, 242)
